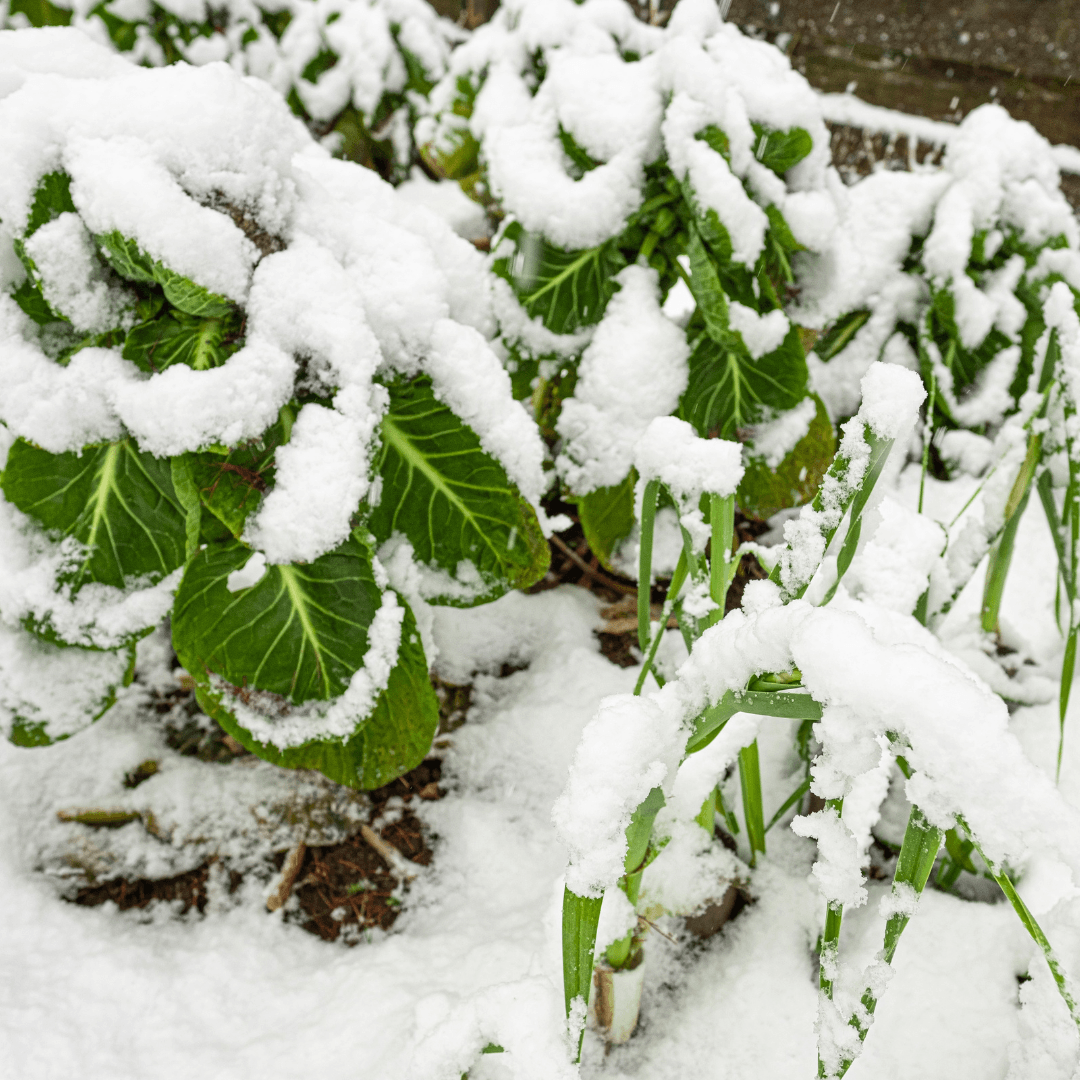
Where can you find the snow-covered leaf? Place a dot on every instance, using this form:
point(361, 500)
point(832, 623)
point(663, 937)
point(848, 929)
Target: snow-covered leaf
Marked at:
point(392, 739)
point(566, 289)
point(114, 499)
point(299, 631)
point(452, 501)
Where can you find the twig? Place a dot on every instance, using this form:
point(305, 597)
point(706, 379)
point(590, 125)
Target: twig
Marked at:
point(596, 575)
point(662, 933)
point(289, 869)
point(391, 856)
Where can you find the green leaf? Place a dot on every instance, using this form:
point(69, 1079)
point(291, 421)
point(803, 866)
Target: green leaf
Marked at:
point(41, 12)
point(566, 289)
point(836, 338)
point(174, 337)
point(28, 296)
point(452, 501)
point(301, 631)
point(729, 390)
point(231, 485)
point(717, 139)
point(581, 916)
point(132, 263)
point(607, 516)
point(49, 692)
point(780, 150)
point(52, 198)
point(708, 292)
point(394, 738)
point(114, 499)
point(187, 495)
point(765, 491)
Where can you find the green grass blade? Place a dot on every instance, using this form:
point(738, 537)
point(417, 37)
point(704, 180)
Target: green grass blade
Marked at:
point(750, 781)
point(721, 565)
point(789, 802)
point(648, 525)
point(829, 951)
point(879, 454)
point(1001, 552)
point(1068, 668)
point(677, 581)
point(917, 854)
point(1031, 926)
point(581, 915)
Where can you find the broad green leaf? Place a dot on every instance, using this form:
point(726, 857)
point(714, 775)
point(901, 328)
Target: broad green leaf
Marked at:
point(133, 264)
point(728, 390)
point(394, 738)
point(231, 484)
point(52, 198)
point(28, 296)
point(607, 516)
point(764, 491)
point(114, 499)
point(41, 12)
point(300, 631)
point(452, 501)
point(174, 337)
point(580, 159)
point(708, 292)
point(566, 289)
point(780, 150)
point(836, 338)
point(717, 139)
point(49, 692)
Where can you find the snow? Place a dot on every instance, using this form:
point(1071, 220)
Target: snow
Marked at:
point(633, 370)
point(541, 779)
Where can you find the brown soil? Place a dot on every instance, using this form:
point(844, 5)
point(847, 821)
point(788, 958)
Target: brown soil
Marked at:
point(342, 889)
point(189, 889)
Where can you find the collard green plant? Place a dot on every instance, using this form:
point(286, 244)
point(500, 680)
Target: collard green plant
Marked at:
point(689, 212)
point(356, 72)
point(215, 454)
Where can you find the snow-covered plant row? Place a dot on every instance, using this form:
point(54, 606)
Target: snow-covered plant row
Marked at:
point(863, 690)
point(356, 71)
point(245, 387)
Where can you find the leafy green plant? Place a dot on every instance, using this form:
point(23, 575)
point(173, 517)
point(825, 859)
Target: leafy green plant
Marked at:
point(357, 73)
point(230, 445)
point(600, 232)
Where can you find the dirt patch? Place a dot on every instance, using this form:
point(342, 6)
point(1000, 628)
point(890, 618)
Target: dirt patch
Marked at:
point(188, 889)
point(342, 889)
point(345, 889)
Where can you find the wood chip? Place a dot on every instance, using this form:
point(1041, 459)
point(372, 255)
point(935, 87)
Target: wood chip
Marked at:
point(289, 869)
point(393, 858)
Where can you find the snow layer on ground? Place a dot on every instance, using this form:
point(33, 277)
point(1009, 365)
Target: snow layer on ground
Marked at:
point(475, 956)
